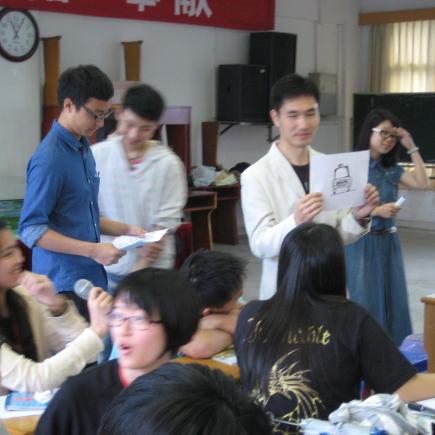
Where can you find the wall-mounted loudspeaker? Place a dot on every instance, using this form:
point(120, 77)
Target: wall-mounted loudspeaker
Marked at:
point(276, 50)
point(242, 93)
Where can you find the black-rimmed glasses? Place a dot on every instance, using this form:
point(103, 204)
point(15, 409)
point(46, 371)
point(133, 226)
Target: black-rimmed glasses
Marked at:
point(97, 116)
point(139, 323)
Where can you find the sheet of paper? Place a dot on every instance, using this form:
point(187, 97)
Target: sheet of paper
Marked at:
point(430, 403)
point(340, 177)
point(131, 242)
point(227, 356)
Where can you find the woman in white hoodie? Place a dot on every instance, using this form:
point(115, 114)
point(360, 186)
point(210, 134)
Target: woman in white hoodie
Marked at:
point(43, 340)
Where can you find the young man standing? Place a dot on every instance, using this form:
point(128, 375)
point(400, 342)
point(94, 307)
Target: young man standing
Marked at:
point(60, 218)
point(275, 189)
point(143, 182)
point(218, 280)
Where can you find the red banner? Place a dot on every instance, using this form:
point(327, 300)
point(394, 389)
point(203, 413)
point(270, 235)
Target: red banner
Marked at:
point(231, 14)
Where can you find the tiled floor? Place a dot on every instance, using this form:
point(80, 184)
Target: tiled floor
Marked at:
point(419, 257)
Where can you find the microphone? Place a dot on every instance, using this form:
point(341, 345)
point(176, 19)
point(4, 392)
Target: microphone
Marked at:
point(82, 288)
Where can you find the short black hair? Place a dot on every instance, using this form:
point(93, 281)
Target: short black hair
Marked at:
point(373, 119)
point(168, 292)
point(291, 86)
point(83, 82)
point(144, 101)
point(216, 276)
point(3, 225)
point(188, 399)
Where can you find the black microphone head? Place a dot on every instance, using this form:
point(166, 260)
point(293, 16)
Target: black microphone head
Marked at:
point(82, 287)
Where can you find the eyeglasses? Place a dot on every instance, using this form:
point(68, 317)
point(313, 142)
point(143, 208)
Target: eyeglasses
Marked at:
point(97, 116)
point(138, 323)
point(385, 134)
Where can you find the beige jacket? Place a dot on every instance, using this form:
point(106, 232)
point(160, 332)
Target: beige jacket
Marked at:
point(64, 345)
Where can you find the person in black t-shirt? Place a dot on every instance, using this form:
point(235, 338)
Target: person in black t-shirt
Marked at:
point(180, 399)
point(306, 350)
point(155, 311)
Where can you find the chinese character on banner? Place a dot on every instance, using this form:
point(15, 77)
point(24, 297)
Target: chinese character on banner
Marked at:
point(62, 1)
point(192, 8)
point(142, 3)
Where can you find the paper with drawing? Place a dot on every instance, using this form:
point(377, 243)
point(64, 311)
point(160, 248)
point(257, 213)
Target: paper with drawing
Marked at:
point(340, 177)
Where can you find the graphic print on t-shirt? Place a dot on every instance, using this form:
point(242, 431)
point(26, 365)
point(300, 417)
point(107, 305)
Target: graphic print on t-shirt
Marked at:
point(288, 382)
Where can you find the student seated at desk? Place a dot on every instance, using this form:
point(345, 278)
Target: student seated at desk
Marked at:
point(155, 311)
point(306, 350)
point(178, 399)
point(34, 328)
point(218, 280)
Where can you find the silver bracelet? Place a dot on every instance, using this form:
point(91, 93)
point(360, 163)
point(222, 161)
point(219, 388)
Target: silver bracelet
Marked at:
point(412, 151)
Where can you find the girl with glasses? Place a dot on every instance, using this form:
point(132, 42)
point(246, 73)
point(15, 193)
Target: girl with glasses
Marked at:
point(375, 272)
point(155, 311)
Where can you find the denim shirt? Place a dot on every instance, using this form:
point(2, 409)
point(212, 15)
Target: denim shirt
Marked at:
point(386, 181)
point(62, 195)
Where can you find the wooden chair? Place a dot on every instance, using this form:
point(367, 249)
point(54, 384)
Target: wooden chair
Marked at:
point(429, 330)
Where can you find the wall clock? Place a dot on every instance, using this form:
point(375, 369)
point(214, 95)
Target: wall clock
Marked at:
point(19, 35)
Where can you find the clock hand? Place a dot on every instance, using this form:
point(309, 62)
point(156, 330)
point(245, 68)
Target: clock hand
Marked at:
point(12, 25)
point(18, 29)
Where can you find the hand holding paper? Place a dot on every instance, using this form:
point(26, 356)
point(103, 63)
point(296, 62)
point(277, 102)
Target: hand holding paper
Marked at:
point(130, 242)
point(371, 200)
point(308, 207)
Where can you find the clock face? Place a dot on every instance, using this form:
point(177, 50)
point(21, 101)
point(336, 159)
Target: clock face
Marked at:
point(18, 34)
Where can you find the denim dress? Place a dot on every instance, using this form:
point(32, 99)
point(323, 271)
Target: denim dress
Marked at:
point(374, 265)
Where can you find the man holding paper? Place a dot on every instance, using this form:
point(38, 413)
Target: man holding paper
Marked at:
point(275, 190)
point(143, 182)
point(60, 219)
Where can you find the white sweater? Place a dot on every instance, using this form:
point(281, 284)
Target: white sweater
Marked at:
point(64, 346)
point(155, 193)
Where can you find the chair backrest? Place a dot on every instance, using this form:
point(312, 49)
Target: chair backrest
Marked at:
point(183, 243)
point(429, 330)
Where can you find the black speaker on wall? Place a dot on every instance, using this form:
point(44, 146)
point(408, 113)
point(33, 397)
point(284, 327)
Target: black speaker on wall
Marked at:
point(277, 50)
point(242, 93)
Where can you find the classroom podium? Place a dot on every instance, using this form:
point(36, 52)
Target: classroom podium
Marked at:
point(429, 330)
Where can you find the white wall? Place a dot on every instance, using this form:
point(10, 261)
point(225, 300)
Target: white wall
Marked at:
point(19, 121)
point(181, 60)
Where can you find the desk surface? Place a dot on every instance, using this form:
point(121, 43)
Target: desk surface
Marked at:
point(21, 425)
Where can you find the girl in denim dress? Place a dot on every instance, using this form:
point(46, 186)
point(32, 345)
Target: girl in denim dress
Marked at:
point(375, 272)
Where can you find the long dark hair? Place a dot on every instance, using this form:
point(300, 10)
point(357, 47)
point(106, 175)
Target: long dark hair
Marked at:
point(311, 273)
point(373, 119)
point(16, 329)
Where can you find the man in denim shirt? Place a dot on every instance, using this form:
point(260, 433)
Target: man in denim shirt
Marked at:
point(60, 216)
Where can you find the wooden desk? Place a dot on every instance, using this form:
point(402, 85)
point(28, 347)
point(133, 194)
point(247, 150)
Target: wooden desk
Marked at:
point(429, 330)
point(231, 370)
point(200, 204)
point(21, 425)
point(224, 218)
